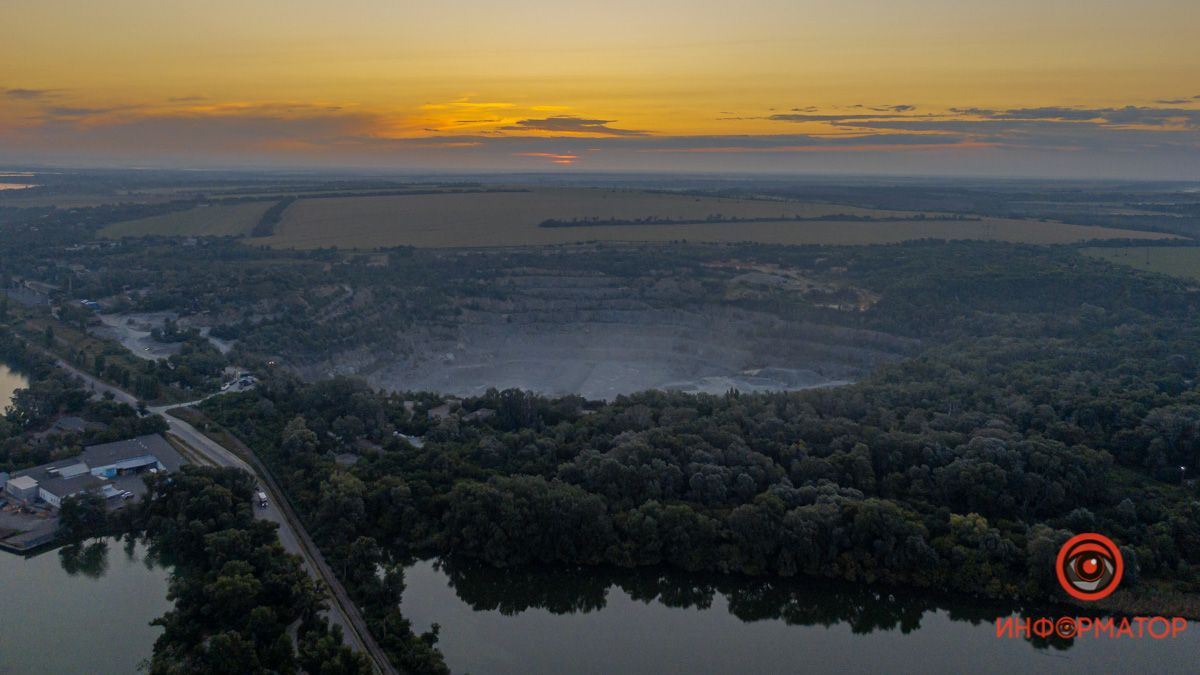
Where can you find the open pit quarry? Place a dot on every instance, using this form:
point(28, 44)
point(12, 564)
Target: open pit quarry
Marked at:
point(600, 336)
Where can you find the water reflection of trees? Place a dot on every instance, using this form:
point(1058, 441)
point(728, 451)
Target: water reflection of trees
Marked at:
point(91, 558)
point(800, 602)
point(88, 559)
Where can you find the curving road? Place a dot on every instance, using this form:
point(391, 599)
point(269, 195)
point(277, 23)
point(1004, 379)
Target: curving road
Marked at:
point(295, 539)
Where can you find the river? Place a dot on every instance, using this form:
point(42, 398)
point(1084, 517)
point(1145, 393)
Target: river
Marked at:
point(10, 381)
point(80, 610)
point(501, 622)
point(77, 609)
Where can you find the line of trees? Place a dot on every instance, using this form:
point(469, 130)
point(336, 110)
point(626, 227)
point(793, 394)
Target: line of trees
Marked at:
point(721, 218)
point(265, 226)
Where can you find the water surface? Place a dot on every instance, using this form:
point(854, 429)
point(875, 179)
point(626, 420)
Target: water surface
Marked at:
point(80, 610)
point(635, 623)
point(10, 381)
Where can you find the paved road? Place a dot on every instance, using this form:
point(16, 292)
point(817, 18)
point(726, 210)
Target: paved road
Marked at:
point(96, 385)
point(220, 455)
point(342, 611)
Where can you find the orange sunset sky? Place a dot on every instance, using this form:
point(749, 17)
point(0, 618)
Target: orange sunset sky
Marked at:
point(1021, 87)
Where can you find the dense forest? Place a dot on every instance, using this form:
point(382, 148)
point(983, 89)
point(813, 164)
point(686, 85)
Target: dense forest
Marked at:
point(237, 593)
point(1053, 396)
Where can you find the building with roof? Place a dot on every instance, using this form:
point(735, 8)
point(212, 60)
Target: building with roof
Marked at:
point(54, 490)
point(69, 471)
point(93, 471)
point(22, 488)
point(131, 456)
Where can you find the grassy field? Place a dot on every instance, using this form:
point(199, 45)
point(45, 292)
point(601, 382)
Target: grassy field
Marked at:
point(511, 219)
point(1178, 262)
point(227, 219)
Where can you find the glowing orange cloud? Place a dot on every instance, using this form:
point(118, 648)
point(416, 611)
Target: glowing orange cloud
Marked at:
point(864, 147)
point(554, 158)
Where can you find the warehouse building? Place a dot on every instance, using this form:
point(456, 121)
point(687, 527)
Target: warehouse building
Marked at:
point(54, 490)
point(131, 456)
point(108, 469)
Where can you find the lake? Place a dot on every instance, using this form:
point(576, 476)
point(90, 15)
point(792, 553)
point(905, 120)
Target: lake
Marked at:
point(637, 622)
point(80, 610)
point(10, 381)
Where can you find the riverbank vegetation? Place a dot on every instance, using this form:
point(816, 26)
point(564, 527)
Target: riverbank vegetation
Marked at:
point(27, 434)
point(241, 603)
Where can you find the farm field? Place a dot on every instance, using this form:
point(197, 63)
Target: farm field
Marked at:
point(511, 219)
point(70, 200)
point(1177, 262)
point(222, 220)
point(318, 193)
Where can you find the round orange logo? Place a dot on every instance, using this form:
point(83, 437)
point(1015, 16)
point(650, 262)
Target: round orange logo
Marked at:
point(1089, 566)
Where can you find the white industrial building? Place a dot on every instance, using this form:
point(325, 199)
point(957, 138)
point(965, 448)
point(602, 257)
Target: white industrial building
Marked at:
point(21, 488)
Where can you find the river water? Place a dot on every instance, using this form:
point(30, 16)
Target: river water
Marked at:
point(83, 609)
point(10, 381)
point(80, 610)
point(501, 622)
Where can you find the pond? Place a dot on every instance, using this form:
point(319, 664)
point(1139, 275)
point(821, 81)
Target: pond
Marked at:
point(84, 609)
point(10, 381)
point(588, 621)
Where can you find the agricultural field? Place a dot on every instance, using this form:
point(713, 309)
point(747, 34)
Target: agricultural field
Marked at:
point(27, 199)
point(512, 219)
point(1177, 262)
point(213, 221)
